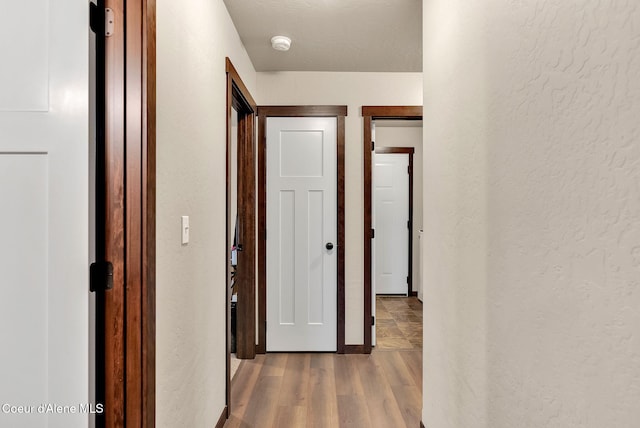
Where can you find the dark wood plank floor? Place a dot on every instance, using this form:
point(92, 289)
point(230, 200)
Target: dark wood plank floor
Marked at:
point(299, 390)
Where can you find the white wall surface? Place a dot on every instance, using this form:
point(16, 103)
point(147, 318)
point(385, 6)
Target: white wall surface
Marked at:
point(353, 90)
point(407, 136)
point(532, 232)
point(193, 38)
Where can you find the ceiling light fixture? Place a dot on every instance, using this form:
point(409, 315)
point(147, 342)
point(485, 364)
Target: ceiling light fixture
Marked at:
point(281, 43)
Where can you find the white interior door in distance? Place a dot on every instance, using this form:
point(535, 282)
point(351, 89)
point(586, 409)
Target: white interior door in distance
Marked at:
point(390, 220)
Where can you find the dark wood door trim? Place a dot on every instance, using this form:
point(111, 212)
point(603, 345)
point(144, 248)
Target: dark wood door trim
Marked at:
point(369, 114)
point(395, 150)
point(125, 315)
point(298, 111)
point(110, 304)
point(393, 112)
point(148, 213)
point(406, 151)
point(239, 98)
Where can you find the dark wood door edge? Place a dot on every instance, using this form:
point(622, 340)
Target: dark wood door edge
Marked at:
point(298, 111)
point(369, 114)
point(421, 425)
point(223, 417)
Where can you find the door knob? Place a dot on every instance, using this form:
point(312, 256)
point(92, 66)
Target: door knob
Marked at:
point(329, 246)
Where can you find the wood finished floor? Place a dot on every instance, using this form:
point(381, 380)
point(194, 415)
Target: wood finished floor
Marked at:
point(398, 323)
point(382, 390)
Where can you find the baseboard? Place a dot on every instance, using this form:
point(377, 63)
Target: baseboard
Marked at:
point(355, 349)
point(223, 418)
point(421, 425)
point(414, 293)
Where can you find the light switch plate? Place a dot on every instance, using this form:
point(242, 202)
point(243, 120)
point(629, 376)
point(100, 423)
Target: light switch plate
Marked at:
point(185, 229)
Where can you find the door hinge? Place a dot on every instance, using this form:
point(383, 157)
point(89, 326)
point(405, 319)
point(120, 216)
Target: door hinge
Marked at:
point(407, 280)
point(101, 21)
point(373, 146)
point(373, 233)
point(373, 320)
point(109, 22)
point(100, 276)
point(408, 224)
point(409, 170)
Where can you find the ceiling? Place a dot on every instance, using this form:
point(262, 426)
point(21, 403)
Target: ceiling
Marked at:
point(331, 35)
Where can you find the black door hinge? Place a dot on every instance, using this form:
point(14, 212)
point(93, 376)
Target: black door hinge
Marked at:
point(373, 320)
point(373, 146)
point(100, 276)
point(373, 233)
point(407, 280)
point(408, 224)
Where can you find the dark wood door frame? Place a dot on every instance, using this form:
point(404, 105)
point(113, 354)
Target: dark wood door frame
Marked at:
point(339, 112)
point(369, 114)
point(406, 151)
point(125, 214)
point(239, 98)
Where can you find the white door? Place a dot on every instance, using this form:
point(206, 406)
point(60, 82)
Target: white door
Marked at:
point(44, 213)
point(391, 223)
point(301, 221)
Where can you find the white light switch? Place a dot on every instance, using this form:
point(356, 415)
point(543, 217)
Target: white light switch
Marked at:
point(185, 229)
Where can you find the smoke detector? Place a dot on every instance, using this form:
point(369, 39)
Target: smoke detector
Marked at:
point(281, 43)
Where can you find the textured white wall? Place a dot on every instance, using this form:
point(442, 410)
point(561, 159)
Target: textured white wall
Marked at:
point(353, 90)
point(532, 167)
point(407, 136)
point(193, 39)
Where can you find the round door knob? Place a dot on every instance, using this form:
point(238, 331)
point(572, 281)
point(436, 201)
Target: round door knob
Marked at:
point(329, 246)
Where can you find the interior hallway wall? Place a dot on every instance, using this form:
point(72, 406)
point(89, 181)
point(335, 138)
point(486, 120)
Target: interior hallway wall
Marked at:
point(407, 136)
point(193, 39)
point(532, 232)
point(353, 90)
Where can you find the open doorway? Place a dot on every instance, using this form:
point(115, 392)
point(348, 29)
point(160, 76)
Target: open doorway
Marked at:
point(241, 224)
point(391, 248)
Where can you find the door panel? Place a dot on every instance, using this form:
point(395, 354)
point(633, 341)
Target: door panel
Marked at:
point(301, 220)
point(390, 219)
point(44, 210)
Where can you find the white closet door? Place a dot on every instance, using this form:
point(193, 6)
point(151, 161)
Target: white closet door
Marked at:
point(44, 140)
point(301, 227)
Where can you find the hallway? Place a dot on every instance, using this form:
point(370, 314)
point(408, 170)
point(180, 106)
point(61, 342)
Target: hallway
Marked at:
point(331, 390)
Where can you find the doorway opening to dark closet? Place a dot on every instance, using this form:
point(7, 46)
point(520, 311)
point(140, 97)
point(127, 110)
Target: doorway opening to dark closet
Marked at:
point(240, 225)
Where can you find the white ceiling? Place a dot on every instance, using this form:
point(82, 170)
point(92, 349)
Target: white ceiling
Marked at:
point(332, 35)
